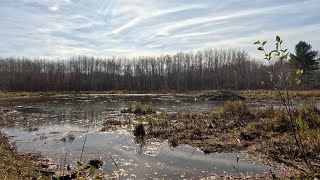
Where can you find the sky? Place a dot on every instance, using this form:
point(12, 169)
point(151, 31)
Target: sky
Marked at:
point(106, 28)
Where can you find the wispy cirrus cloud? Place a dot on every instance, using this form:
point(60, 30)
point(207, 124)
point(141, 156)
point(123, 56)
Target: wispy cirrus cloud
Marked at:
point(53, 5)
point(146, 16)
point(64, 28)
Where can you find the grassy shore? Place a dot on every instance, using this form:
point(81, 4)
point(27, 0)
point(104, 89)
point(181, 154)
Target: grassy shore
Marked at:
point(15, 166)
point(273, 94)
point(250, 94)
point(24, 94)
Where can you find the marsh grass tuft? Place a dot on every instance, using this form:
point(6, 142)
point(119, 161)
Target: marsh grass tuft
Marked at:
point(236, 108)
point(111, 124)
point(277, 120)
point(138, 109)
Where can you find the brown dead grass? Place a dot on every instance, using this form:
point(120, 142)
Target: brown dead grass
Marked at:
point(236, 127)
point(15, 166)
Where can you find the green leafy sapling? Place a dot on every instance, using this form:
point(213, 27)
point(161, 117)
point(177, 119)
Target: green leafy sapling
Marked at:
point(280, 55)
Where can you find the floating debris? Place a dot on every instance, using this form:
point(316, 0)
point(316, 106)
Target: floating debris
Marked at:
point(68, 138)
point(96, 163)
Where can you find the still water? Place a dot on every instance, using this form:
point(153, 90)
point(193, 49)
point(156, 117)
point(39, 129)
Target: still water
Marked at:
point(39, 124)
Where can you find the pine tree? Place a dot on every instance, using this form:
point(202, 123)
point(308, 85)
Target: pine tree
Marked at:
point(305, 58)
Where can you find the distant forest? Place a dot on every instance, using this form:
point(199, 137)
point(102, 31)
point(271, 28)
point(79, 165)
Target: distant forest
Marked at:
point(203, 70)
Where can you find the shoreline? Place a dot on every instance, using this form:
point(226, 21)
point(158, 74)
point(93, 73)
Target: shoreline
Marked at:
point(14, 165)
point(259, 94)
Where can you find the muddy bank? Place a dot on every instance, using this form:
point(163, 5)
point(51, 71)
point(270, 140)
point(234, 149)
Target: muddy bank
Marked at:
point(263, 134)
point(14, 165)
point(32, 165)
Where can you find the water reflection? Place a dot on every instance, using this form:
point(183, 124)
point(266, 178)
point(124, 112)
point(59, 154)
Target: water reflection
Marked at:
point(141, 142)
point(57, 127)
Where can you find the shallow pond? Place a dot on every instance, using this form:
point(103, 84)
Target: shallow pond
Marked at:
point(57, 126)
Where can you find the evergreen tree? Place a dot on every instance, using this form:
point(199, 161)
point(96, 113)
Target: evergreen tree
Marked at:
point(305, 58)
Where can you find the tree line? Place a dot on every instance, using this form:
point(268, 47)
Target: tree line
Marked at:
point(205, 69)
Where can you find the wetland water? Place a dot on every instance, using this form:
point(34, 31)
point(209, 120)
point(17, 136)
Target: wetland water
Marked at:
point(56, 126)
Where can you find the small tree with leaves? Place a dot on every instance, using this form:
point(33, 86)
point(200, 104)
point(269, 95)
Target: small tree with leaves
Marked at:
point(281, 82)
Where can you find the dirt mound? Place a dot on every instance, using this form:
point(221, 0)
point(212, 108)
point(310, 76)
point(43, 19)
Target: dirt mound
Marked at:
point(222, 95)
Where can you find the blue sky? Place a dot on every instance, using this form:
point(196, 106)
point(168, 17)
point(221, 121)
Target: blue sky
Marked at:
point(104, 28)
